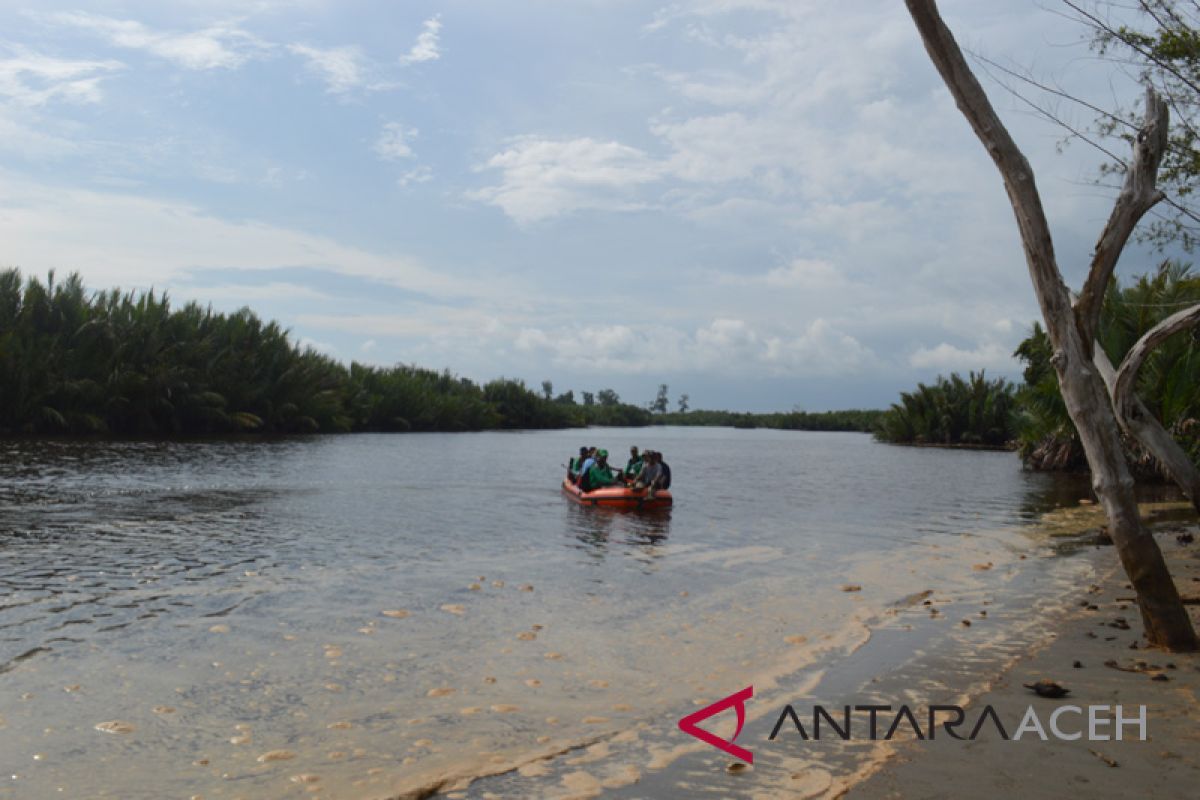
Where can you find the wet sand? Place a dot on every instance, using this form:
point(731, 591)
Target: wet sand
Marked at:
point(957, 646)
point(1101, 663)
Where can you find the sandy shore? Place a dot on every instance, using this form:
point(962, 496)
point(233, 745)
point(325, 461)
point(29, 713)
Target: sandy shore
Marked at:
point(1101, 662)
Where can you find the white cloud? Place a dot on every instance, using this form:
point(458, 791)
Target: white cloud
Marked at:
point(426, 48)
point(340, 67)
point(228, 293)
point(393, 143)
point(29, 79)
point(134, 241)
point(420, 174)
point(543, 178)
point(792, 119)
point(727, 346)
point(220, 46)
point(948, 358)
point(803, 273)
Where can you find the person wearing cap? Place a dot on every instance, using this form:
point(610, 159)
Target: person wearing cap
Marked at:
point(599, 474)
point(635, 464)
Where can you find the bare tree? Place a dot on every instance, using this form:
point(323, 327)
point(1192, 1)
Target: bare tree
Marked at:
point(1072, 327)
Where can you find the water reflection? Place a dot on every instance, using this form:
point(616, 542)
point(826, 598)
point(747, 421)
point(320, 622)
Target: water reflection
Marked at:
point(599, 528)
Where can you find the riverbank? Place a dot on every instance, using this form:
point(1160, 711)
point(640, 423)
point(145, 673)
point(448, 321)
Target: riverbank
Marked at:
point(1097, 651)
point(961, 642)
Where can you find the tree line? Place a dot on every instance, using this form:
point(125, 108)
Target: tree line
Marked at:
point(1033, 417)
point(130, 364)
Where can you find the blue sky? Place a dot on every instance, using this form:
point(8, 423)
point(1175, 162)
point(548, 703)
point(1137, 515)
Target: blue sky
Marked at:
point(763, 204)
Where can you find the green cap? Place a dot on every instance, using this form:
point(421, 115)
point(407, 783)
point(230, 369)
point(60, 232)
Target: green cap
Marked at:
point(601, 454)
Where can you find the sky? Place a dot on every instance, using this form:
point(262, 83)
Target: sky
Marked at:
point(765, 205)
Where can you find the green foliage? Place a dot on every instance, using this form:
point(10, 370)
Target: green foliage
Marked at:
point(1161, 48)
point(953, 411)
point(129, 364)
point(851, 420)
point(661, 400)
point(1168, 383)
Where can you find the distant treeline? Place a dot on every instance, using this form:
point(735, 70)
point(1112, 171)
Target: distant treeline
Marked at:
point(1033, 418)
point(853, 420)
point(129, 364)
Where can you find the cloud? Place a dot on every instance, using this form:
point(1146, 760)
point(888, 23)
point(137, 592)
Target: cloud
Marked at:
point(804, 273)
point(426, 47)
point(29, 79)
point(340, 67)
point(791, 119)
point(393, 142)
point(218, 46)
point(543, 178)
point(130, 241)
point(420, 174)
point(946, 357)
point(728, 346)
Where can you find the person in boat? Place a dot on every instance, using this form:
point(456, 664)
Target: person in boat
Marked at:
point(650, 473)
point(585, 463)
point(599, 474)
point(634, 466)
point(665, 482)
point(576, 464)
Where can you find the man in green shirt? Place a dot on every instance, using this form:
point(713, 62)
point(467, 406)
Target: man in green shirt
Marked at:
point(599, 474)
point(634, 465)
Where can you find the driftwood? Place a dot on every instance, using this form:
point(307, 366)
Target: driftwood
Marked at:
point(1166, 620)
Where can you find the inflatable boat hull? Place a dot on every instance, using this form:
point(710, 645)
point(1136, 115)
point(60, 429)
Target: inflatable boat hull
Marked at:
point(618, 497)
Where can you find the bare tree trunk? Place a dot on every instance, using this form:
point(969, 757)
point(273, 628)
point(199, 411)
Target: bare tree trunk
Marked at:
point(1166, 620)
point(1139, 423)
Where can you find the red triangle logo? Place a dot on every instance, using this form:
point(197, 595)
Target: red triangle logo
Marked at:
point(738, 701)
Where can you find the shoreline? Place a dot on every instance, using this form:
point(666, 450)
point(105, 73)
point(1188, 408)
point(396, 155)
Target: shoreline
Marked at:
point(1098, 652)
point(919, 656)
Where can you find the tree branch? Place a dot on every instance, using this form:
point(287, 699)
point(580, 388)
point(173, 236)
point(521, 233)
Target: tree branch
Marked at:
point(1138, 195)
point(1149, 432)
point(1126, 380)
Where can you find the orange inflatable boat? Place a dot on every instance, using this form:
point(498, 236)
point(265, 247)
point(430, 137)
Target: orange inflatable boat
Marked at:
point(618, 497)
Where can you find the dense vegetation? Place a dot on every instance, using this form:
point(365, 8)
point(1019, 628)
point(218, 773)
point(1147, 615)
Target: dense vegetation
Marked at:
point(129, 364)
point(975, 411)
point(953, 411)
point(1169, 382)
point(852, 420)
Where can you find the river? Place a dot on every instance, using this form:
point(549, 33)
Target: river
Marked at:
point(364, 615)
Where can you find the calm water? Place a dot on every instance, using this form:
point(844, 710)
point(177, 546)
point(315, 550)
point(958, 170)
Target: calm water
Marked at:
point(225, 599)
